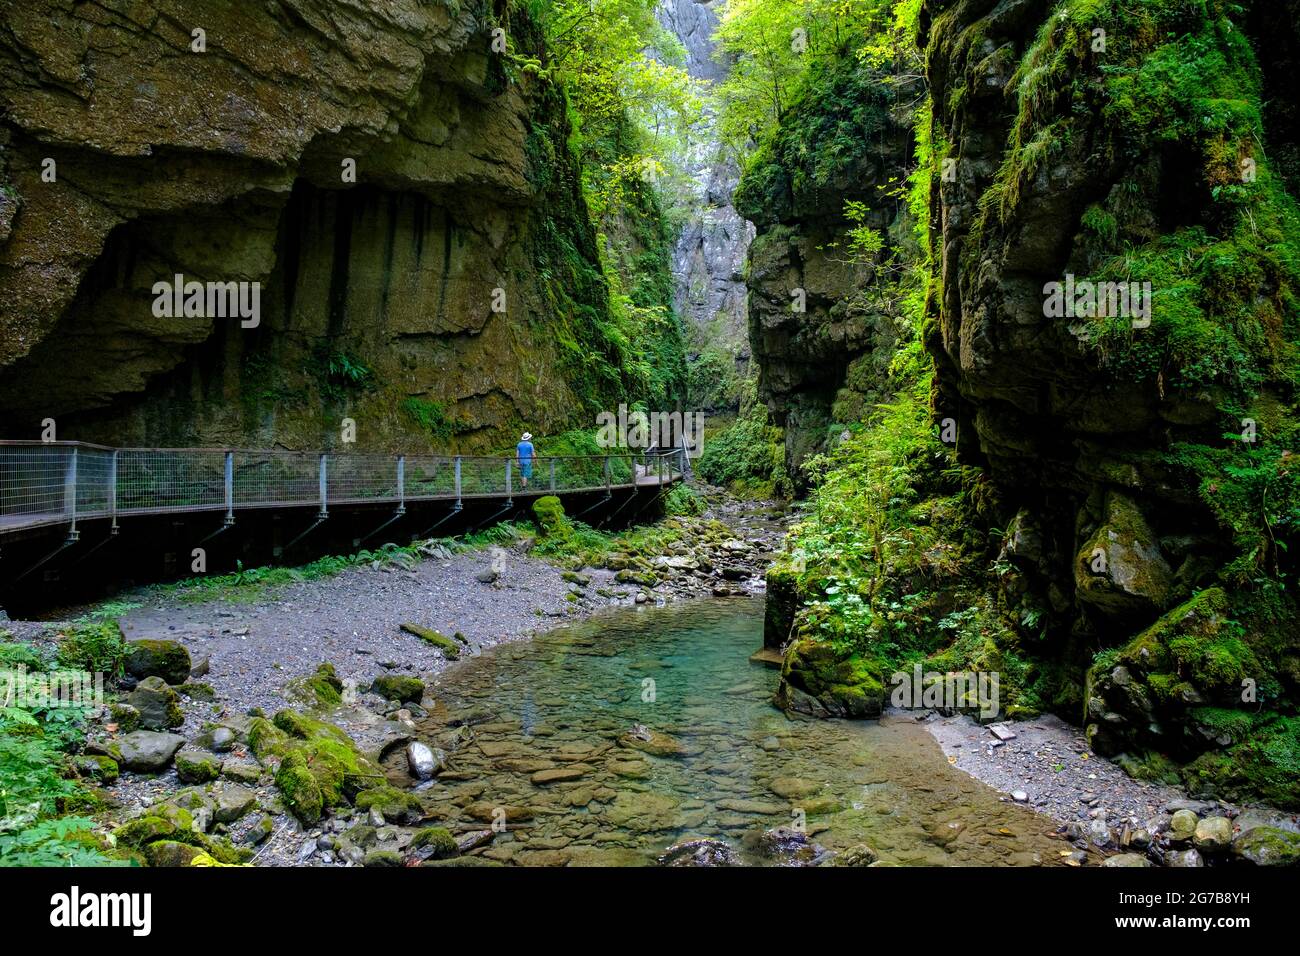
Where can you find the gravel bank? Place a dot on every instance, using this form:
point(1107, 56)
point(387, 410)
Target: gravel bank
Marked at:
point(1050, 764)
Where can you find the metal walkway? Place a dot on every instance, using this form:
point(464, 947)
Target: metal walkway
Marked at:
point(62, 483)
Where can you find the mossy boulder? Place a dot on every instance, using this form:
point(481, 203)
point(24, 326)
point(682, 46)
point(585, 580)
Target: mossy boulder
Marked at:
point(158, 705)
point(168, 660)
point(383, 858)
point(322, 688)
point(320, 766)
point(197, 766)
point(1120, 570)
point(171, 853)
point(396, 806)
point(400, 687)
point(169, 823)
point(552, 523)
point(96, 767)
point(437, 843)
point(820, 681)
point(1268, 846)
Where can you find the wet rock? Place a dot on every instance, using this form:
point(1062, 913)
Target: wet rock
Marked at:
point(705, 852)
point(1182, 827)
point(790, 847)
point(858, 855)
point(1184, 858)
point(794, 788)
point(574, 771)
point(423, 761)
point(653, 742)
point(1213, 834)
point(147, 751)
point(382, 858)
point(1268, 846)
point(1127, 860)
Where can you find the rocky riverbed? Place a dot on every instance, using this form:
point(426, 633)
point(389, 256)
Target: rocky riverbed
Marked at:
point(319, 725)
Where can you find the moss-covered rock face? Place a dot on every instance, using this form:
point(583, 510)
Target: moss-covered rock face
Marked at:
point(1120, 569)
point(820, 681)
point(819, 351)
point(1187, 683)
point(376, 294)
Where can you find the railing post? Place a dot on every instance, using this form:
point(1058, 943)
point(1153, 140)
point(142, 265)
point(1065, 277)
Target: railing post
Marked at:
point(229, 482)
point(401, 484)
point(70, 493)
point(458, 481)
point(509, 462)
point(324, 485)
point(608, 475)
point(112, 492)
point(552, 474)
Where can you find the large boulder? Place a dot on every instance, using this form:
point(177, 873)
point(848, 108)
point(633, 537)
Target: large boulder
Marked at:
point(1120, 570)
point(820, 681)
point(151, 657)
point(158, 705)
point(147, 751)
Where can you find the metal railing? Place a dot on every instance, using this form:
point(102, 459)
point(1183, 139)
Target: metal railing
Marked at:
point(45, 483)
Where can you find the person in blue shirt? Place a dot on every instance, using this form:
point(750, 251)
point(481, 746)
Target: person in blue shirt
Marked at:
point(526, 456)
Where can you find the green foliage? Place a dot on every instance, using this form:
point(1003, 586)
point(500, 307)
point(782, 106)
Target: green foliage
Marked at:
point(95, 646)
point(432, 418)
point(33, 790)
point(342, 372)
point(747, 456)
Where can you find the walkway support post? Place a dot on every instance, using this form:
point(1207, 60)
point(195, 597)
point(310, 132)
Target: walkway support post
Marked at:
point(230, 488)
point(608, 476)
point(70, 493)
point(552, 474)
point(458, 482)
point(112, 492)
point(401, 484)
point(324, 486)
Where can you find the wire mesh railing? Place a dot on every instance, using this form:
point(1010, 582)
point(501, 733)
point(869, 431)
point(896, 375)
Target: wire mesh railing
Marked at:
point(63, 482)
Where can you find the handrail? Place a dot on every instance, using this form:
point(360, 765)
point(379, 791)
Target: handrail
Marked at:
point(45, 483)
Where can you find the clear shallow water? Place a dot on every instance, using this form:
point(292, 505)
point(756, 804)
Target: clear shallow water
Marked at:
point(520, 719)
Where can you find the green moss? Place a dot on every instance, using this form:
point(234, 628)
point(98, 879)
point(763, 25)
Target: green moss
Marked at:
point(1263, 767)
point(397, 806)
point(322, 688)
point(401, 687)
point(300, 787)
point(548, 512)
point(440, 841)
point(393, 682)
point(197, 767)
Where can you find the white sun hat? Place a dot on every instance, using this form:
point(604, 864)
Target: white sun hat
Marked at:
point(527, 436)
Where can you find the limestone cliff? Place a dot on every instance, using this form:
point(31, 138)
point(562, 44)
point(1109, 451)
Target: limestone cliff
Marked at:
point(818, 333)
point(1140, 459)
point(229, 164)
